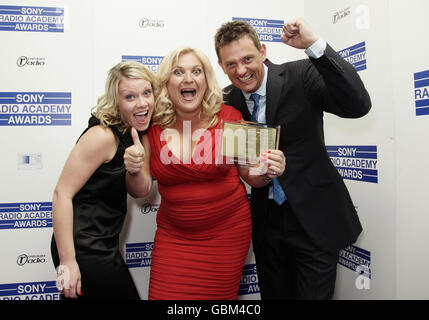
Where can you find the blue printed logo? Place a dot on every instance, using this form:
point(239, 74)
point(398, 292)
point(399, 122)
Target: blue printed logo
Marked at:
point(30, 161)
point(421, 93)
point(357, 163)
point(138, 255)
point(356, 259)
point(25, 215)
point(44, 290)
point(151, 62)
point(35, 109)
point(249, 283)
point(267, 30)
point(31, 19)
point(355, 55)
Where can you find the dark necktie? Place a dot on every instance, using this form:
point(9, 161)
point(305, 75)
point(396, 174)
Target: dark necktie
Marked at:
point(255, 98)
point(278, 193)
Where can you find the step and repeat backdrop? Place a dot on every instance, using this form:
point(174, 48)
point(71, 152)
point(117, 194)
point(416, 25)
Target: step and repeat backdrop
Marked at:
point(53, 64)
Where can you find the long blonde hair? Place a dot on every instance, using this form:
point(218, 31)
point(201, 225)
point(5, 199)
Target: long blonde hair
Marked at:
point(165, 114)
point(107, 109)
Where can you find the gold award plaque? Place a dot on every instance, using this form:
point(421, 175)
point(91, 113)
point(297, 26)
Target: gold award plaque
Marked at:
point(244, 141)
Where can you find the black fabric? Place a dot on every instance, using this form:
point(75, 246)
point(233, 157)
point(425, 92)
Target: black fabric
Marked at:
point(289, 265)
point(99, 211)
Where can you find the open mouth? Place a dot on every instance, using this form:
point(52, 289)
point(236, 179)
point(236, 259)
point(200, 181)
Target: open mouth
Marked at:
point(141, 117)
point(143, 113)
point(245, 79)
point(188, 94)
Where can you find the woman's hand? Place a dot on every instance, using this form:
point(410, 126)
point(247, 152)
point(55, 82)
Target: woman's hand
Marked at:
point(134, 155)
point(272, 165)
point(69, 279)
point(275, 163)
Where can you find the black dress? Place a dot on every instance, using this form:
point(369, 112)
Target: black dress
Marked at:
point(99, 210)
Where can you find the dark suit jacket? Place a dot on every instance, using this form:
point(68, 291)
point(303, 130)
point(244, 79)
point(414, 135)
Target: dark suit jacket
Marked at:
point(297, 95)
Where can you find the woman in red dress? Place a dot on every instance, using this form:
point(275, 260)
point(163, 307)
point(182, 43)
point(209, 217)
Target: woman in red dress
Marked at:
point(203, 224)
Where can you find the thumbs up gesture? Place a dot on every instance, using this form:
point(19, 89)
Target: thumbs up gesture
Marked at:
point(134, 155)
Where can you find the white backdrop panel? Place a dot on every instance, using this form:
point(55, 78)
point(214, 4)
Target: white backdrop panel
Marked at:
point(99, 33)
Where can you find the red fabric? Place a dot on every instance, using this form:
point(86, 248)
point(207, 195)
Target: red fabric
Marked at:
point(203, 224)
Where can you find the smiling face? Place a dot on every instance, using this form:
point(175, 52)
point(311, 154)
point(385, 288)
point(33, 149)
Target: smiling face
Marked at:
point(187, 85)
point(242, 62)
point(135, 101)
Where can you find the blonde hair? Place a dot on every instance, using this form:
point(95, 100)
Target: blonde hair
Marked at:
point(165, 114)
point(107, 109)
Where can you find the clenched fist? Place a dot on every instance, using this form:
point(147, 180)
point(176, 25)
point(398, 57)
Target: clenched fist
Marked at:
point(298, 34)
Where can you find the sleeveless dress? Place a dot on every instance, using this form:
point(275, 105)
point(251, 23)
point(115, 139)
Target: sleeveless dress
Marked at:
point(203, 223)
point(99, 210)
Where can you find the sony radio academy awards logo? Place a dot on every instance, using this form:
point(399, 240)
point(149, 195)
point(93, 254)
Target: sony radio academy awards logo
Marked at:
point(357, 163)
point(138, 255)
point(41, 290)
point(268, 30)
point(31, 19)
point(151, 62)
point(25, 215)
point(359, 261)
point(249, 283)
point(421, 92)
point(355, 55)
point(35, 108)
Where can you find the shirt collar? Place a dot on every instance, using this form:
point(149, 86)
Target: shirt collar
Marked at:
point(262, 90)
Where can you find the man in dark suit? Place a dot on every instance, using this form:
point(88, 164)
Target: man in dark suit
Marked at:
point(297, 239)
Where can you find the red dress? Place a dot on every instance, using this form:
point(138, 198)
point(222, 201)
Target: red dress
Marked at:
point(203, 223)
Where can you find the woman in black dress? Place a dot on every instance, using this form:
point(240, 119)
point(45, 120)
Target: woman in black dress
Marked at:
point(90, 200)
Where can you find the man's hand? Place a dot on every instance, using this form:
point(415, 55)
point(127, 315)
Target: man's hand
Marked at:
point(298, 34)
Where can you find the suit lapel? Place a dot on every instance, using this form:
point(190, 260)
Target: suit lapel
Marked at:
point(275, 83)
